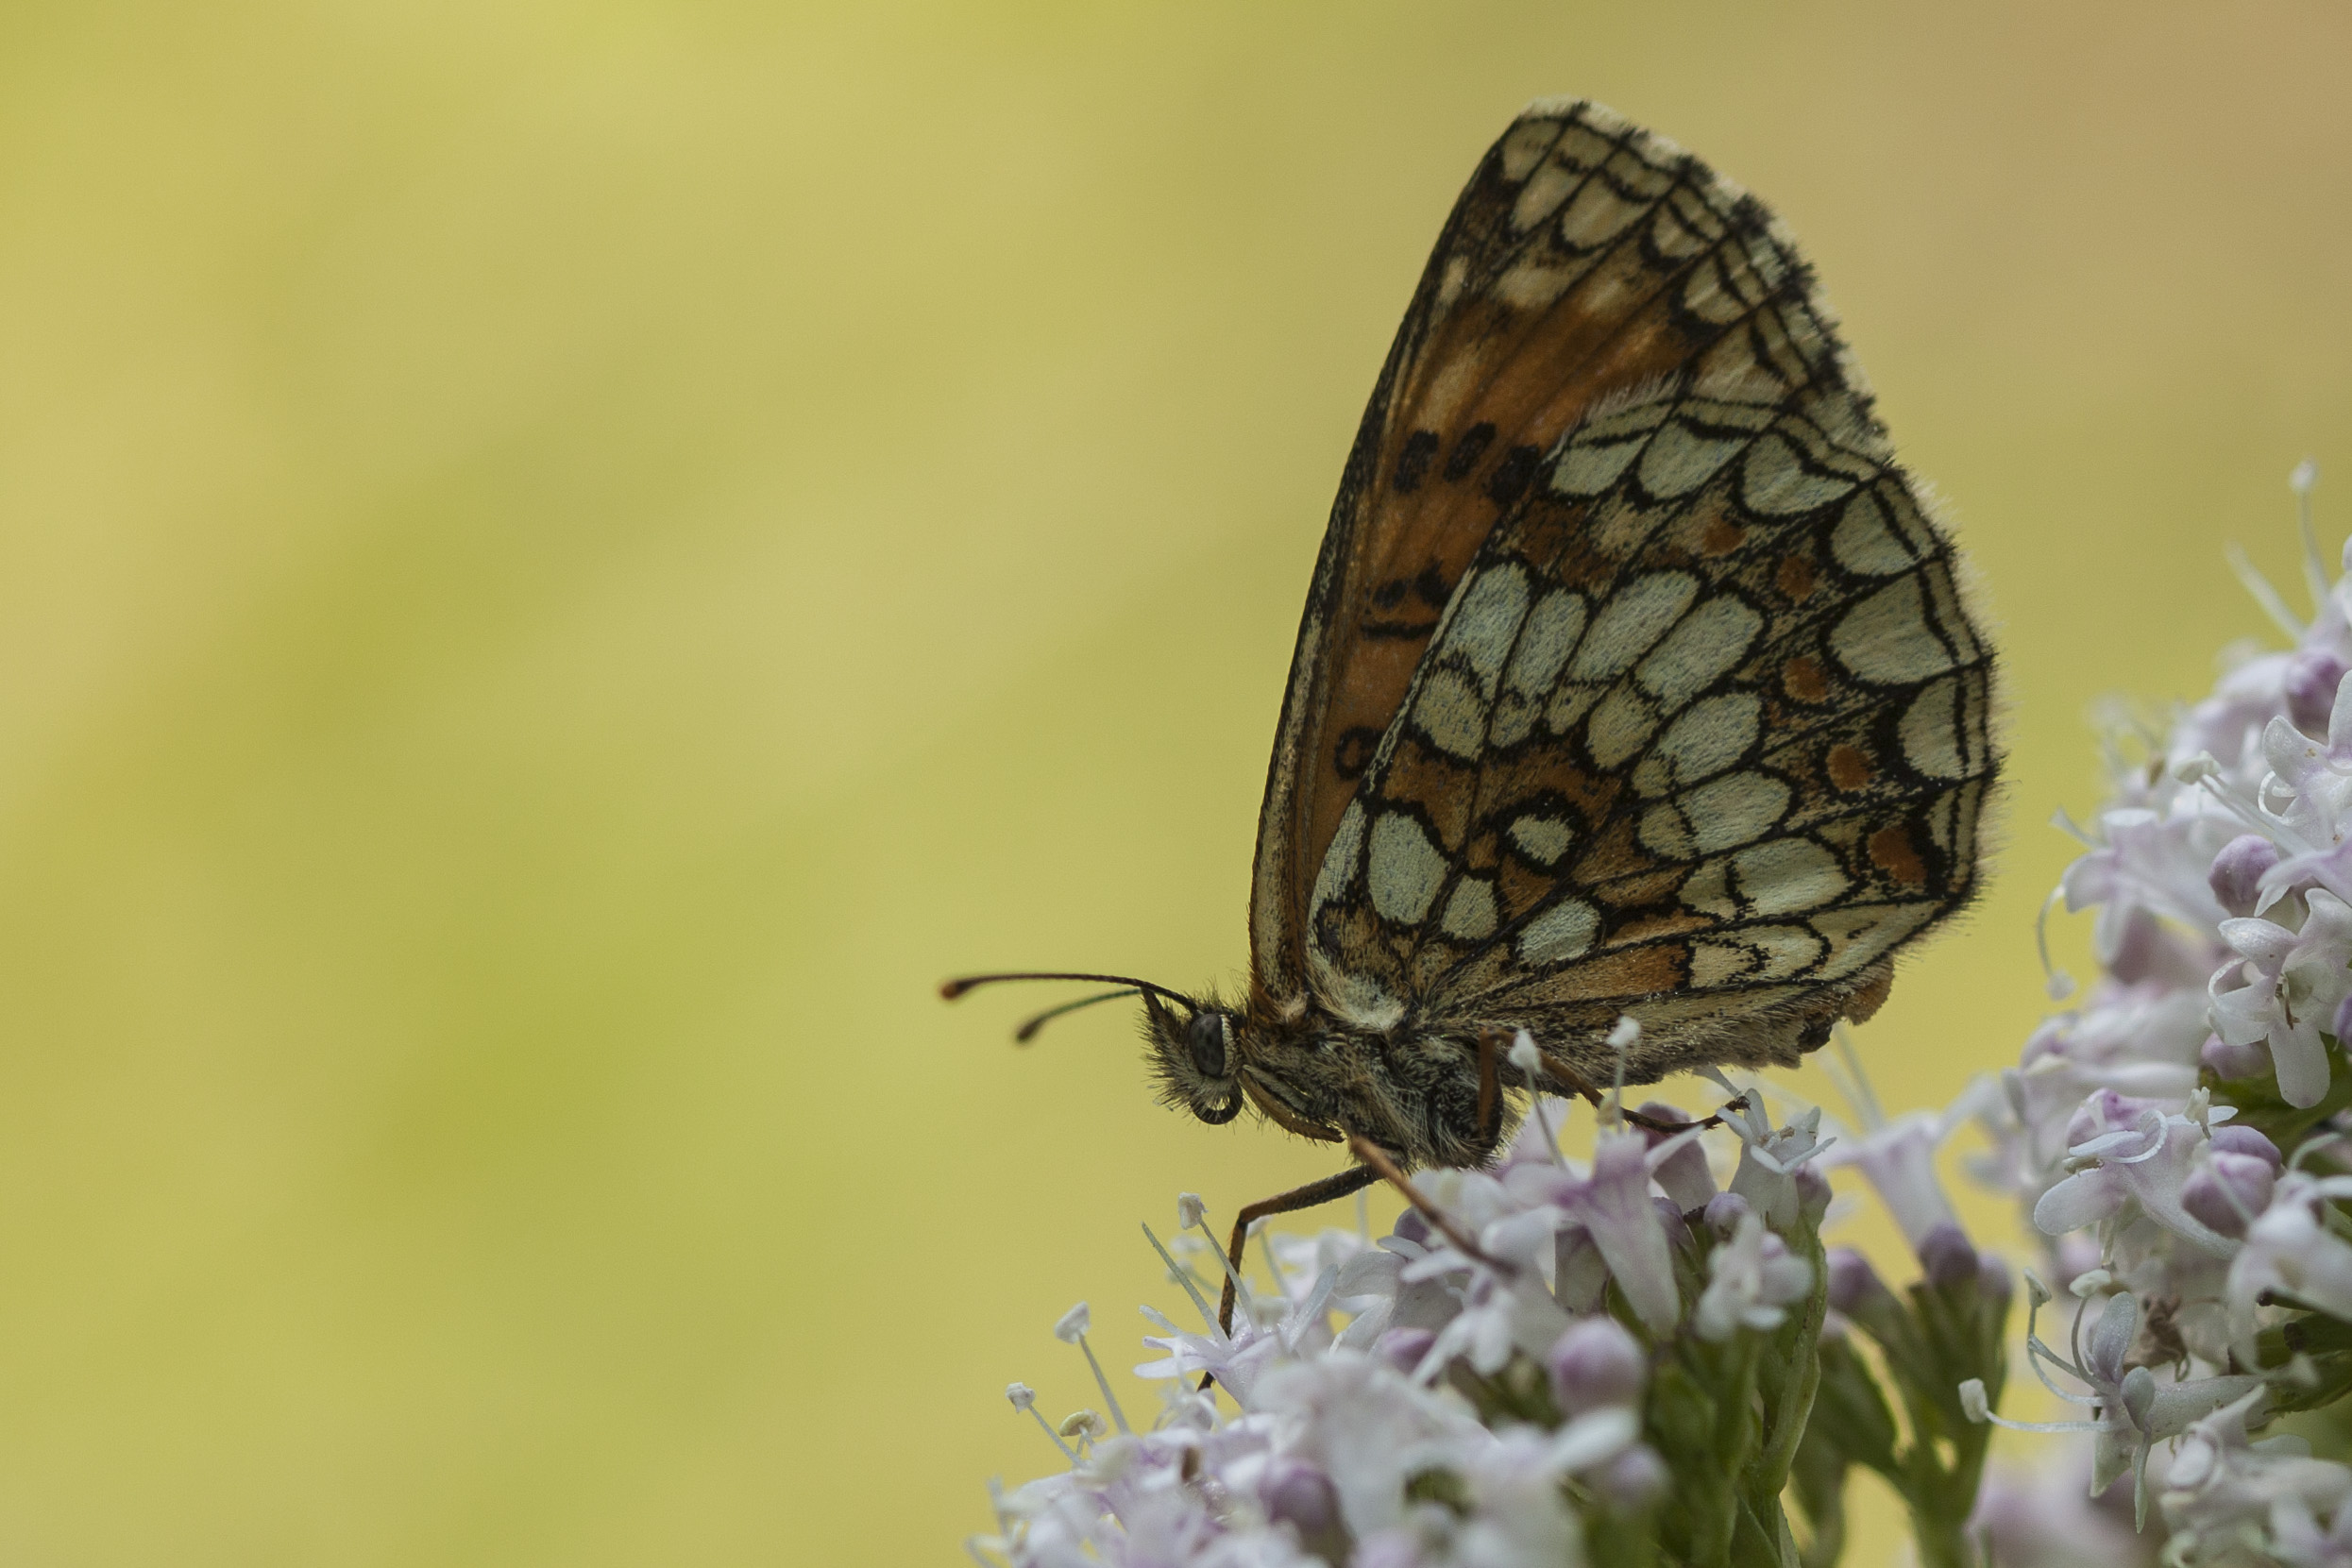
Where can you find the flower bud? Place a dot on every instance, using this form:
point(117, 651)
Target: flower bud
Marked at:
point(2228, 1189)
point(1403, 1348)
point(1294, 1490)
point(2237, 872)
point(1411, 1228)
point(2310, 683)
point(1632, 1480)
point(1992, 1278)
point(1595, 1363)
point(2076, 1256)
point(1724, 1212)
point(1813, 1194)
point(2232, 1062)
point(1683, 1174)
point(1852, 1280)
point(2230, 1138)
point(1678, 1234)
point(1947, 1257)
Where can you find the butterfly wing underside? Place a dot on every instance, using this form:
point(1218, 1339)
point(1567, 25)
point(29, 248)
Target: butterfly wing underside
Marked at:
point(1634, 676)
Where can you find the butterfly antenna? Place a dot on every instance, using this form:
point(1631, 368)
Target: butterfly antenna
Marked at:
point(951, 989)
point(1027, 1032)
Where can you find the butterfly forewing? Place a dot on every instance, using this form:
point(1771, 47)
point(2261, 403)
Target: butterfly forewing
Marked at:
point(1683, 716)
point(1585, 257)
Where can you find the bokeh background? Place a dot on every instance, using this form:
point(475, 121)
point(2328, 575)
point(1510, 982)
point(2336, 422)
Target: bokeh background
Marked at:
point(560, 565)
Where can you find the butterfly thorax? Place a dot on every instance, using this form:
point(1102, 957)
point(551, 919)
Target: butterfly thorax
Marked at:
point(1411, 1088)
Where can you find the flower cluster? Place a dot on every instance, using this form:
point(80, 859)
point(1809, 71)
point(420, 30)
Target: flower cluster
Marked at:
point(2174, 1137)
point(1540, 1357)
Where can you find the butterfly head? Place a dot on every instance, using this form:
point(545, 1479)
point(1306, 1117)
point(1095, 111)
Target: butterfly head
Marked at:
point(1195, 1045)
point(1195, 1049)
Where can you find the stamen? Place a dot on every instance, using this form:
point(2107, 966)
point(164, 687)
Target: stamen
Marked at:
point(1623, 1039)
point(1855, 1087)
point(1191, 1212)
point(1529, 1060)
point(1086, 1426)
point(2074, 830)
point(2301, 481)
point(1274, 1264)
point(2037, 1297)
point(2056, 982)
point(2205, 770)
point(1025, 1398)
point(2264, 594)
point(1182, 1277)
point(979, 1546)
point(1071, 1330)
point(1979, 1409)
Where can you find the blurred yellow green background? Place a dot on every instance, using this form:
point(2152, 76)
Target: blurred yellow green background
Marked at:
point(560, 565)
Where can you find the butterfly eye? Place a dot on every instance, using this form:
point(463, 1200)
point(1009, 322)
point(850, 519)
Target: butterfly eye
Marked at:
point(1205, 1037)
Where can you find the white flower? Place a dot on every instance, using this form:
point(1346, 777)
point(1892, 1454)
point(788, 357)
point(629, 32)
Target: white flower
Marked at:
point(1519, 1518)
point(2226, 1492)
point(2130, 1151)
point(1752, 1278)
point(2288, 1249)
point(1899, 1160)
point(1770, 1157)
point(1368, 1428)
point(2292, 983)
point(1613, 1209)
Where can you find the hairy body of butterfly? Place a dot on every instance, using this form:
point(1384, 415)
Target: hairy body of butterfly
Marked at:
point(1633, 681)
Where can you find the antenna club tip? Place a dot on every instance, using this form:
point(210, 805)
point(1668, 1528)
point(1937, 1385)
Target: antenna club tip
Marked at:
point(951, 989)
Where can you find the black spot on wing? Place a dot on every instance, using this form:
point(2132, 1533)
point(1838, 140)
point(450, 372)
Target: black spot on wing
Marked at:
point(1354, 752)
point(1413, 463)
point(1467, 450)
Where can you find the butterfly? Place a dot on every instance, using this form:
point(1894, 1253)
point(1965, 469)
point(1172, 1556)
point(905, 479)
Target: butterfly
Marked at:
point(1635, 681)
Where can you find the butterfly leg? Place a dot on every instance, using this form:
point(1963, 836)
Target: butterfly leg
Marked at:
point(1577, 1083)
point(1340, 1186)
point(1490, 1088)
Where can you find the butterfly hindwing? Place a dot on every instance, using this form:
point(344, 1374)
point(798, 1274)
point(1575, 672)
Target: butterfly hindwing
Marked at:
point(1585, 260)
point(1702, 737)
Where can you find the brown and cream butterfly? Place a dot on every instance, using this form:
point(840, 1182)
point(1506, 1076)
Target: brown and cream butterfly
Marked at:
point(1635, 680)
